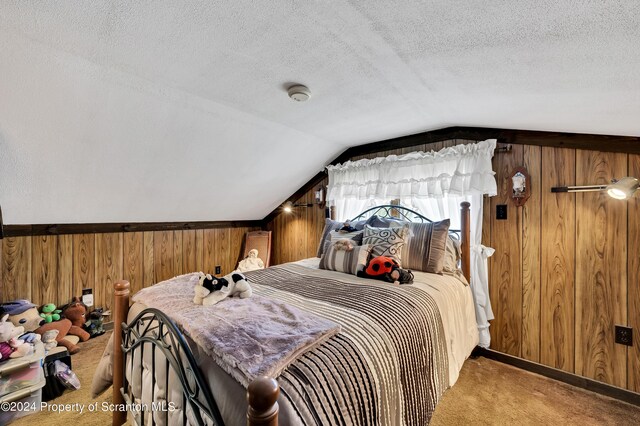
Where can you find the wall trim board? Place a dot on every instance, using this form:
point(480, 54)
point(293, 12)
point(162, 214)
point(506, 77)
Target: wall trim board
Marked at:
point(104, 228)
point(561, 375)
point(604, 143)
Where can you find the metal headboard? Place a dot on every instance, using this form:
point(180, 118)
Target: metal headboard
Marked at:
point(154, 328)
point(391, 211)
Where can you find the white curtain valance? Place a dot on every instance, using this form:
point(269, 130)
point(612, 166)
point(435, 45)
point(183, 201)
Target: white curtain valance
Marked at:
point(459, 170)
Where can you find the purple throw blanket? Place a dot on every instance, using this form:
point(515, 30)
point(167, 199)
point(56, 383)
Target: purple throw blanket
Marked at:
point(248, 338)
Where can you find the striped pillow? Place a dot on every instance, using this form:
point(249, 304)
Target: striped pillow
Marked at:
point(452, 255)
point(386, 241)
point(344, 261)
point(425, 250)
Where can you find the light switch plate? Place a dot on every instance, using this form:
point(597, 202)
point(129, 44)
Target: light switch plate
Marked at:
point(501, 212)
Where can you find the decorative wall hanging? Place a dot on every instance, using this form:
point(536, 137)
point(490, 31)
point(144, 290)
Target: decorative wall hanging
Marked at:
point(520, 186)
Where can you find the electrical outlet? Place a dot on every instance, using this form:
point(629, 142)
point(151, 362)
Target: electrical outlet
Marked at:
point(501, 212)
point(218, 270)
point(624, 335)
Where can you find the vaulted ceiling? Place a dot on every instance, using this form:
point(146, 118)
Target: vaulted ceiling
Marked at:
point(117, 111)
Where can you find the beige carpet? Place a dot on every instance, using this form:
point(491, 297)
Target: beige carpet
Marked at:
point(487, 393)
point(491, 393)
point(84, 364)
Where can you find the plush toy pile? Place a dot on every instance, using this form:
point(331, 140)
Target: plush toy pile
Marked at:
point(211, 290)
point(49, 325)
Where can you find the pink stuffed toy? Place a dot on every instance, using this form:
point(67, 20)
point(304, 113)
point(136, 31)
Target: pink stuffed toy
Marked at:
point(10, 346)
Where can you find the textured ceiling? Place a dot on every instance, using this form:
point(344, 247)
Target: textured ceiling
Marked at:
point(176, 110)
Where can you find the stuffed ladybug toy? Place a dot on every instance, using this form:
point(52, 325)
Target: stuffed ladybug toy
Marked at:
point(386, 269)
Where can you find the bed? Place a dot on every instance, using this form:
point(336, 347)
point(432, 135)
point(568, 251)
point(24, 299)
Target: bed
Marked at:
point(399, 348)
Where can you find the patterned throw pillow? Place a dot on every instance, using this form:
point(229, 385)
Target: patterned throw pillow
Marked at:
point(335, 259)
point(386, 241)
point(425, 250)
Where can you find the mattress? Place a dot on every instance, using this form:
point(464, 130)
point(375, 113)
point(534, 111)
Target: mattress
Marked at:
point(400, 348)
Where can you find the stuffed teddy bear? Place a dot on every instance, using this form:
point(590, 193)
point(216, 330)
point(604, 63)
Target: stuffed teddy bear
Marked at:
point(76, 312)
point(344, 244)
point(49, 339)
point(11, 346)
point(50, 313)
point(211, 290)
point(64, 327)
point(386, 269)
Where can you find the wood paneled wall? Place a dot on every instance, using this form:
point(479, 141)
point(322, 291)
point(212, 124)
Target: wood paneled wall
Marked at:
point(296, 235)
point(55, 268)
point(566, 268)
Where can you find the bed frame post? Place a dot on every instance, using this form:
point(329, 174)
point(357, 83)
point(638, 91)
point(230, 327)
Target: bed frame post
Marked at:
point(120, 311)
point(262, 395)
point(465, 228)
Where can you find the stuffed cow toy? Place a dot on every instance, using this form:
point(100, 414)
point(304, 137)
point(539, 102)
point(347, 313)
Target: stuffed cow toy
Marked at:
point(211, 290)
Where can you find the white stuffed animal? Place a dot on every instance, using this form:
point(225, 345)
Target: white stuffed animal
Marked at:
point(251, 263)
point(211, 290)
point(9, 336)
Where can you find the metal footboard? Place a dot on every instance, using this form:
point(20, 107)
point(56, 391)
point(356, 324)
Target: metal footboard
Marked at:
point(152, 330)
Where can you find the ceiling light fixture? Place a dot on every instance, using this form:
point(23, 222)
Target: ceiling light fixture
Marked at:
point(618, 189)
point(299, 93)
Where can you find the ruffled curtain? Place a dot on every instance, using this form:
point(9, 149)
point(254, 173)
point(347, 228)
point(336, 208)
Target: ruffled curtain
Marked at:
point(458, 170)
point(434, 184)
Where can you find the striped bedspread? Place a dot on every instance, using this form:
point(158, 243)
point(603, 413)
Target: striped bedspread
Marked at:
point(388, 366)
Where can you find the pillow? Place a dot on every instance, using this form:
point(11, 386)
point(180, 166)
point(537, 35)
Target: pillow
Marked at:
point(330, 225)
point(350, 262)
point(359, 225)
point(334, 225)
point(452, 255)
point(356, 236)
point(386, 241)
point(425, 250)
point(385, 222)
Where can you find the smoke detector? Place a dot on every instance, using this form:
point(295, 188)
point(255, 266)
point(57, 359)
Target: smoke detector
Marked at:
point(299, 93)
